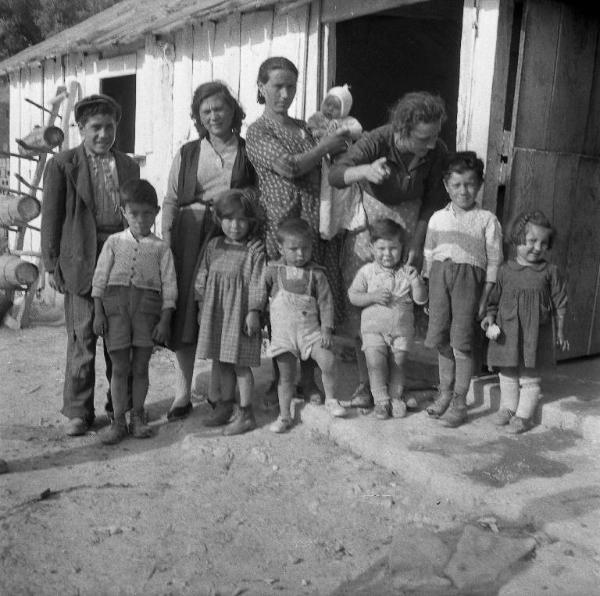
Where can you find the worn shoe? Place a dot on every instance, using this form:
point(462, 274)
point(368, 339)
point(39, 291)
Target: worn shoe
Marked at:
point(334, 407)
point(114, 434)
point(456, 414)
point(440, 405)
point(518, 425)
point(361, 398)
point(382, 411)
point(503, 417)
point(242, 421)
point(76, 427)
point(138, 427)
point(180, 412)
point(398, 408)
point(220, 415)
point(280, 425)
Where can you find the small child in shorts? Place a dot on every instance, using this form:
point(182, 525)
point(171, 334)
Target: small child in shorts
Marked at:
point(134, 290)
point(301, 315)
point(340, 208)
point(463, 250)
point(386, 290)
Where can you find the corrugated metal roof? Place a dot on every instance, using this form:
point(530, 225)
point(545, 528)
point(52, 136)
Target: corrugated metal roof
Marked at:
point(129, 21)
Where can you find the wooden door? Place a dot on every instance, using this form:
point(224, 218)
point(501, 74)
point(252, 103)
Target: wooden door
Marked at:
point(553, 150)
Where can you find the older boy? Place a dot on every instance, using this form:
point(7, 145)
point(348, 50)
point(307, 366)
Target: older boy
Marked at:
point(80, 209)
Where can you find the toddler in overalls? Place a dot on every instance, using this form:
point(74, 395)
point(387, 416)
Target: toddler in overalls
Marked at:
point(301, 314)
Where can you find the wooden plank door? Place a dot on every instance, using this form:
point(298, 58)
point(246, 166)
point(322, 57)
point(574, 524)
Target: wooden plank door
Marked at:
point(554, 150)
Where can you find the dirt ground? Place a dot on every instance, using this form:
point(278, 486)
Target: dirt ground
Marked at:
point(188, 511)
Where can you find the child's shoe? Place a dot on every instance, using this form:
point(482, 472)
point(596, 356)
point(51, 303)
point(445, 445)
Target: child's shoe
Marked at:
point(138, 427)
point(361, 398)
point(335, 408)
point(456, 414)
point(242, 421)
point(503, 417)
point(382, 411)
point(518, 425)
point(398, 408)
point(221, 414)
point(440, 404)
point(114, 434)
point(280, 425)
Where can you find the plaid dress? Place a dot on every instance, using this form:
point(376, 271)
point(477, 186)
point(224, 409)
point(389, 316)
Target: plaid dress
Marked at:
point(228, 286)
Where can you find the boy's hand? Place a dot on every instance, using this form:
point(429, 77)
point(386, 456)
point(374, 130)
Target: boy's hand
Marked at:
point(381, 296)
point(326, 333)
point(562, 342)
point(100, 324)
point(252, 324)
point(487, 321)
point(162, 332)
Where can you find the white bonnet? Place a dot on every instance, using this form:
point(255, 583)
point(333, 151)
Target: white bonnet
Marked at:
point(345, 97)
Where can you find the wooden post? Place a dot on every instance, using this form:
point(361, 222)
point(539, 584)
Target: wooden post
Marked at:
point(18, 209)
point(16, 273)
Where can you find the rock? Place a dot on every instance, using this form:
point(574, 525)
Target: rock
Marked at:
point(417, 556)
point(3, 467)
point(415, 581)
point(481, 556)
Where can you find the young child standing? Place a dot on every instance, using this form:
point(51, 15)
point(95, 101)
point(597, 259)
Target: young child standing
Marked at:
point(134, 290)
point(301, 314)
point(463, 250)
point(340, 208)
point(231, 296)
point(528, 304)
point(386, 291)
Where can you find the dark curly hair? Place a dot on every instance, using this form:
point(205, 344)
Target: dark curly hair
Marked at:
point(518, 229)
point(210, 89)
point(138, 191)
point(386, 229)
point(415, 107)
point(273, 63)
point(461, 162)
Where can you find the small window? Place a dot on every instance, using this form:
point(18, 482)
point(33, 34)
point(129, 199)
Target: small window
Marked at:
point(122, 90)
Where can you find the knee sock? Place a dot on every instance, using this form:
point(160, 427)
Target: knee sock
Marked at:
point(509, 391)
point(447, 370)
point(529, 396)
point(464, 372)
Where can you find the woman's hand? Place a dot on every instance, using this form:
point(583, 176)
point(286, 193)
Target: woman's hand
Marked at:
point(561, 341)
point(334, 143)
point(252, 323)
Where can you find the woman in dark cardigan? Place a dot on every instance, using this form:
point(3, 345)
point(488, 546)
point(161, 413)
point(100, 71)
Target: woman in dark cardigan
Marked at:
point(200, 171)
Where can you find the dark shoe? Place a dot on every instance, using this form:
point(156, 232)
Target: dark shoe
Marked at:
point(180, 412)
point(440, 405)
point(77, 427)
point(242, 421)
point(220, 415)
point(138, 427)
point(456, 414)
point(518, 425)
point(114, 434)
point(361, 398)
point(382, 411)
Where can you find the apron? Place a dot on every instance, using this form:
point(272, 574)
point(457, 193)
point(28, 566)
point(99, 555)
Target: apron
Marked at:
point(295, 325)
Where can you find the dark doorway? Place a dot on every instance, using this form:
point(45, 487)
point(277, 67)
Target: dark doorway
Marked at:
point(415, 48)
point(122, 90)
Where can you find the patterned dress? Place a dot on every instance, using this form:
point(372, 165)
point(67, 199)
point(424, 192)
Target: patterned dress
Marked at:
point(526, 301)
point(229, 284)
point(273, 150)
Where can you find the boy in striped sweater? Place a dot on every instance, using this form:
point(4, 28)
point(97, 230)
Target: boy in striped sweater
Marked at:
point(463, 250)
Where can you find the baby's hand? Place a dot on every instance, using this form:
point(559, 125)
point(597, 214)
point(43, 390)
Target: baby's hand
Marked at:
point(381, 296)
point(100, 324)
point(326, 334)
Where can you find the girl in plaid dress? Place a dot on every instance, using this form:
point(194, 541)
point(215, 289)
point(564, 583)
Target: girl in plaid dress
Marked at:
point(230, 296)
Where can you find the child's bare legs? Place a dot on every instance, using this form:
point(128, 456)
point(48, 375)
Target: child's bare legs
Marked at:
point(327, 363)
point(184, 371)
point(509, 394)
point(309, 386)
point(140, 361)
point(456, 414)
point(447, 371)
point(121, 363)
point(286, 364)
point(243, 417)
point(221, 393)
point(397, 367)
point(378, 367)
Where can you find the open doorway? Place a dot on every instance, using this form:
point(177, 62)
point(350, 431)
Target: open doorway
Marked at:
point(386, 54)
point(122, 90)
